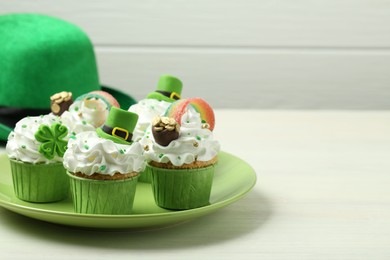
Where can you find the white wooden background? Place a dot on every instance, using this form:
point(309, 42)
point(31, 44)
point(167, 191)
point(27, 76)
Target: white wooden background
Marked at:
point(304, 54)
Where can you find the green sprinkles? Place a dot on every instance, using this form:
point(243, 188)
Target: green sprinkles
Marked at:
point(122, 151)
point(160, 155)
point(84, 122)
point(24, 126)
point(86, 146)
point(103, 167)
point(198, 138)
point(23, 146)
point(76, 109)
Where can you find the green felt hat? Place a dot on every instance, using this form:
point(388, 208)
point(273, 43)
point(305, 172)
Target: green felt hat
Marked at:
point(41, 56)
point(119, 126)
point(168, 89)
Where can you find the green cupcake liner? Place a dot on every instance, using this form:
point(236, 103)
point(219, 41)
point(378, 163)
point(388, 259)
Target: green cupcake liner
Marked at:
point(145, 176)
point(113, 197)
point(181, 188)
point(39, 182)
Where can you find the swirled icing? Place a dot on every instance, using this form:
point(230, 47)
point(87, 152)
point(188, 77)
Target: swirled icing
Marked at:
point(88, 153)
point(147, 109)
point(85, 115)
point(194, 143)
point(22, 144)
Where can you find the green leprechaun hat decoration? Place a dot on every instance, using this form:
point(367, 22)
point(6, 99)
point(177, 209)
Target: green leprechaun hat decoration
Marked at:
point(119, 126)
point(168, 89)
point(39, 56)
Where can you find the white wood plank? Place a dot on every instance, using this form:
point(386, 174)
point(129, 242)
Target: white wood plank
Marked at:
point(256, 79)
point(303, 23)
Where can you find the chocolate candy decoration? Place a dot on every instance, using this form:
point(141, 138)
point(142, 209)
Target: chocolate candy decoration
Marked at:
point(60, 102)
point(165, 130)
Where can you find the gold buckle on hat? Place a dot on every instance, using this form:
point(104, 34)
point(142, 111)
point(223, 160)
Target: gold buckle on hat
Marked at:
point(175, 96)
point(113, 132)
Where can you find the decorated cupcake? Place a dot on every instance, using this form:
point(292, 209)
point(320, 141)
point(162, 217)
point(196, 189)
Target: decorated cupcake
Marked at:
point(86, 113)
point(104, 166)
point(183, 154)
point(35, 149)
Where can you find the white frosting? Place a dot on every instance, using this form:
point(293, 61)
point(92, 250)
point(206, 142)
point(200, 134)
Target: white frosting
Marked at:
point(22, 144)
point(88, 153)
point(147, 109)
point(182, 150)
point(85, 115)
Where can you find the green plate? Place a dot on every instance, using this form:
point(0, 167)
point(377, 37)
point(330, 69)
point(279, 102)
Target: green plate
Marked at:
point(233, 179)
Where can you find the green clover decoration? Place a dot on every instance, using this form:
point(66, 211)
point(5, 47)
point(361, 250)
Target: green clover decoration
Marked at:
point(52, 140)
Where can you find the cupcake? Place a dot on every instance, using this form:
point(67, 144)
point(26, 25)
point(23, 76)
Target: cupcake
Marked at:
point(183, 155)
point(86, 113)
point(35, 148)
point(104, 166)
point(168, 90)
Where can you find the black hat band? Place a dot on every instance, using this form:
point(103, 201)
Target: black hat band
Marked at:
point(172, 95)
point(118, 132)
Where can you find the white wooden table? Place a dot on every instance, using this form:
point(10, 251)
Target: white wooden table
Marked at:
point(323, 192)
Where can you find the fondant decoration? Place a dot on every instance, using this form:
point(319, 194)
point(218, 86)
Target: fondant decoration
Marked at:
point(119, 126)
point(60, 102)
point(165, 130)
point(52, 140)
point(168, 89)
point(178, 108)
